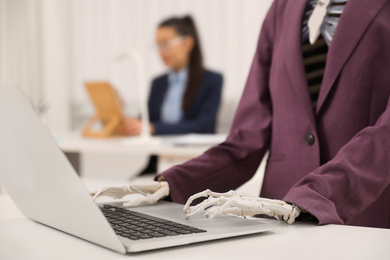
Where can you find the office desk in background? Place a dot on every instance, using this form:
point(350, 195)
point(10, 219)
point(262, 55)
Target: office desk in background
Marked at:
point(125, 157)
point(21, 238)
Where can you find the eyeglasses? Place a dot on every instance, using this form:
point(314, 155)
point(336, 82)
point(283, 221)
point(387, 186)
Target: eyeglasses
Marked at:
point(165, 46)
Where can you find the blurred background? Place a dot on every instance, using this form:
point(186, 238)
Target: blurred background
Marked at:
point(51, 47)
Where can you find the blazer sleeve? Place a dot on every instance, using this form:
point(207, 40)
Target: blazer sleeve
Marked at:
point(205, 115)
point(233, 162)
point(156, 95)
point(349, 183)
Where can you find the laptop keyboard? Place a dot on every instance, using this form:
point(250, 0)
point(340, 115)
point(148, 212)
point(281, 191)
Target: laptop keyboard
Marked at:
point(135, 226)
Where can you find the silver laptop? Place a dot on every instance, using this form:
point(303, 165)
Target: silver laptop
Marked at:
point(45, 188)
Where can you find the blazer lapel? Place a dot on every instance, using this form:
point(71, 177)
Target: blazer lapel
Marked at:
point(294, 58)
point(159, 96)
point(354, 21)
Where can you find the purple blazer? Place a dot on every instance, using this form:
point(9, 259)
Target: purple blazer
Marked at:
point(333, 162)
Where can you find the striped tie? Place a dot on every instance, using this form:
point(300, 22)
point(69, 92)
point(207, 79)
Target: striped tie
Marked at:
point(314, 55)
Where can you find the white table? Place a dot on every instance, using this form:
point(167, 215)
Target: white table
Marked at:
point(74, 142)
point(127, 156)
point(21, 238)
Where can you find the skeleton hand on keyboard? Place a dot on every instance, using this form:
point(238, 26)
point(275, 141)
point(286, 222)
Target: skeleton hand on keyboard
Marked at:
point(240, 204)
point(151, 193)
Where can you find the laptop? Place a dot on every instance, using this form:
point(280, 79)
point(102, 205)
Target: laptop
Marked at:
point(46, 189)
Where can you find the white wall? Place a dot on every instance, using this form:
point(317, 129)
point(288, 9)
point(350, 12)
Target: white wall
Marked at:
point(35, 54)
point(57, 63)
point(51, 47)
point(20, 46)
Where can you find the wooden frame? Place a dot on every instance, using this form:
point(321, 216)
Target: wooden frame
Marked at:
point(108, 111)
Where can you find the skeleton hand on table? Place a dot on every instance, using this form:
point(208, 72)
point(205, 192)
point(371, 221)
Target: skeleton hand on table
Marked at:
point(151, 193)
point(240, 204)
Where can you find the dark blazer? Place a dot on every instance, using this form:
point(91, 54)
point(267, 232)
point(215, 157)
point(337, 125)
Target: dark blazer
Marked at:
point(200, 118)
point(333, 162)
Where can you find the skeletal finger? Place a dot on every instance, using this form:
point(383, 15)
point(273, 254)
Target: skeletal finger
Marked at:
point(201, 207)
point(148, 200)
point(212, 213)
point(194, 197)
point(225, 204)
point(98, 193)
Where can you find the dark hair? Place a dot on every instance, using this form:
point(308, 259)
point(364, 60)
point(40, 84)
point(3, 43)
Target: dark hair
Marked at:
point(185, 26)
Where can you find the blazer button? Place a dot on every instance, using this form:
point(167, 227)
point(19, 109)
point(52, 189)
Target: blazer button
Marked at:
point(309, 139)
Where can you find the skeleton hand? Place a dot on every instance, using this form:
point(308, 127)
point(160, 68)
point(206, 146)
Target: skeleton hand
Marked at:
point(241, 204)
point(152, 193)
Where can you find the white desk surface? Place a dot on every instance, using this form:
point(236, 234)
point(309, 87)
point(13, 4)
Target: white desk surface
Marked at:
point(166, 145)
point(21, 238)
point(127, 156)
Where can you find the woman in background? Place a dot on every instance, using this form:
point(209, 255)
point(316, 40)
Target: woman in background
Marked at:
point(187, 98)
